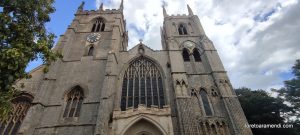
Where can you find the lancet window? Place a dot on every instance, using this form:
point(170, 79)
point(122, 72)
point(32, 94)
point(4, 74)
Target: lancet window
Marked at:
point(99, 25)
point(74, 102)
point(182, 29)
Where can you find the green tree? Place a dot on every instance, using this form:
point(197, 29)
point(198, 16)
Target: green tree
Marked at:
point(23, 38)
point(260, 108)
point(291, 90)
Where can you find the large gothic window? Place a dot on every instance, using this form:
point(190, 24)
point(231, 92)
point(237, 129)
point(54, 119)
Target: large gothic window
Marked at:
point(11, 125)
point(182, 29)
point(205, 102)
point(74, 102)
point(185, 55)
point(142, 84)
point(99, 25)
point(196, 55)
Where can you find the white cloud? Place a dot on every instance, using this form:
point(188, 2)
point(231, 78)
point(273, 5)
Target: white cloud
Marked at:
point(257, 40)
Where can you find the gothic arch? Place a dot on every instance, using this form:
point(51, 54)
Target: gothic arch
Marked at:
point(90, 50)
point(130, 84)
point(95, 18)
point(122, 72)
point(181, 45)
point(206, 102)
point(73, 102)
point(145, 118)
point(83, 87)
point(21, 104)
point(98, 24)
point(182, 28)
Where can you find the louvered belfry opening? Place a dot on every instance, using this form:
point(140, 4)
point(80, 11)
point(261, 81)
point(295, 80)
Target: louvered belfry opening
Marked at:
point(99, 25)
point(142, 84)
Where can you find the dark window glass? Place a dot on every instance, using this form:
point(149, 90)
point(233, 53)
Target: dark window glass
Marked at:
point(182, 29)
point(149, 93)
point(155, 94)
point(205, 102)
point(67, 107)
point(94, 27)
point(130, 93)
point(16, 128)
point(161, 93)
point(124, 93)
point(91, 51)
point(185, 55)
point(143, 91)
point(196, 55)
point(136, 93)
point(99, 25)
point(8, 128)
point(78, 106)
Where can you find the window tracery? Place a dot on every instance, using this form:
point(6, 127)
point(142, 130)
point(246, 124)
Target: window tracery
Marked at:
point(99, 25)
point(142, 84)
point(74, 102)
point(182, 29)
point(11, 125)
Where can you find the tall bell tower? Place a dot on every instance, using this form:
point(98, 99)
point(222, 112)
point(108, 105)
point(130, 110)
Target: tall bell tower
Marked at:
point(204, 100)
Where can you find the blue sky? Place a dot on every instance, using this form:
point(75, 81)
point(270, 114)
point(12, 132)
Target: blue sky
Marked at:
point(257, 40)
point(60, 20)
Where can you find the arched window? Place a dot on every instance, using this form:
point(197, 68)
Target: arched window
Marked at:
point(21, 105)
point(205, 102)
point(91, 51)
point(182, 29)
point(74, 102)
point(142, 84)
point(196, 55)
point(185, 55)
point(99, 25)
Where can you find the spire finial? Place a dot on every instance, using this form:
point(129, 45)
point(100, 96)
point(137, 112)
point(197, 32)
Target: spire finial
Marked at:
point(101, 7)
point(80, 8)
point(190, 10)
point(122, 5)
point(164, 10)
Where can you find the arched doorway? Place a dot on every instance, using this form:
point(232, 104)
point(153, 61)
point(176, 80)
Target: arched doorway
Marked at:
point(143, 127)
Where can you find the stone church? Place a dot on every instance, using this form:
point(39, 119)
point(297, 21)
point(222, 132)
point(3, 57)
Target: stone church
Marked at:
point(100, 87)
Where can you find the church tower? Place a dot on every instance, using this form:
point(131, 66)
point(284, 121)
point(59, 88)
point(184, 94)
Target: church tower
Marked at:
point(204, 100)
point(100, 87)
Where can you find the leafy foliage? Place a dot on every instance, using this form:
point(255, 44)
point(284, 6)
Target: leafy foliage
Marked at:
point(260, 108)
point(291, 91)
point(23, 38)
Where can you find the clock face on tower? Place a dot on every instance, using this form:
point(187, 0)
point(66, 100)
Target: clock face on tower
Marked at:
point(93, 37)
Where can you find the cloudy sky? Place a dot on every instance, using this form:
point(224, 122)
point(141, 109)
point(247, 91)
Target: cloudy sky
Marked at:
point(257, 40)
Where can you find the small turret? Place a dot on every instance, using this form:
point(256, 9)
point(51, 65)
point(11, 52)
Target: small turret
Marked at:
point(121, 5)
point(101, 7)
point(164, 11)
point(190, 10)
point(80, 8)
